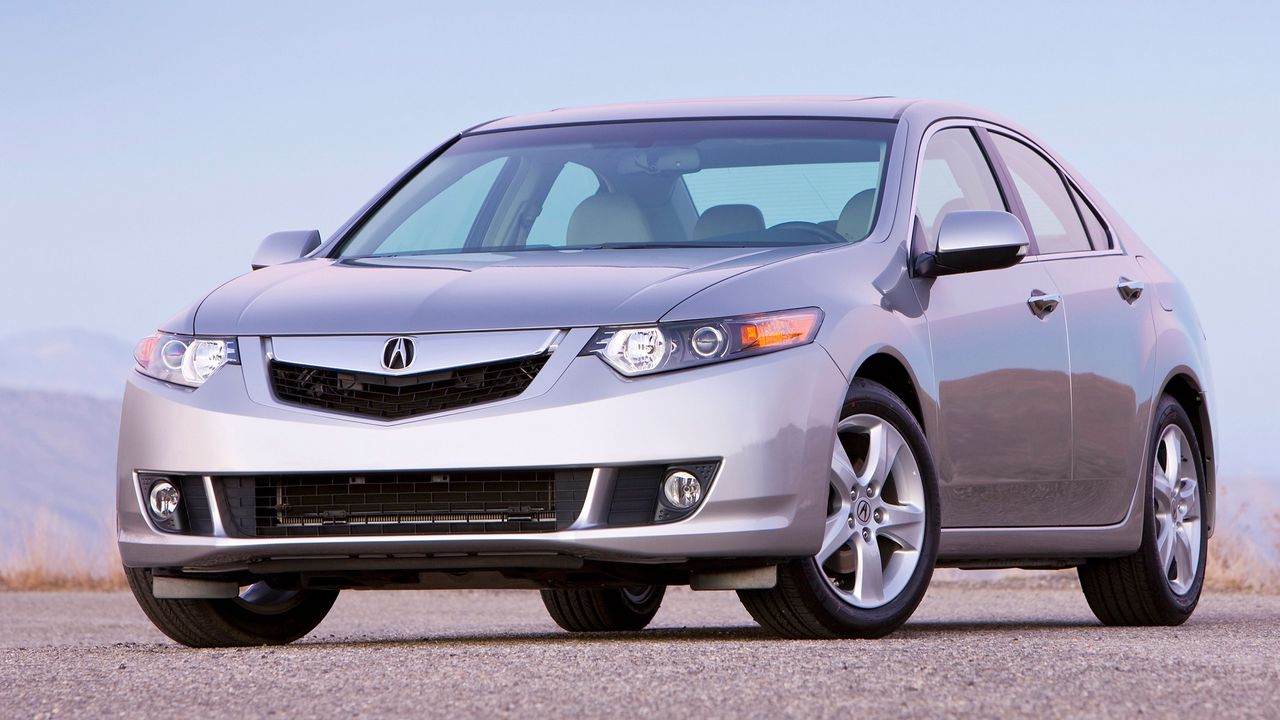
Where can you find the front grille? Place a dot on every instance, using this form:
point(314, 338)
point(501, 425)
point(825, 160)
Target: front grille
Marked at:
point(392, 397)
point(404, 503)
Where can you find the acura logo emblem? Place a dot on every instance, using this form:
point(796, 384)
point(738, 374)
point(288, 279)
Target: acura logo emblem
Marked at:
point(397, 354)
point(864, 512)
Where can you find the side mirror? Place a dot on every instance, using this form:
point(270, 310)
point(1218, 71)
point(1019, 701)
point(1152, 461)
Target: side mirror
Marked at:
point(282, 247)
point(972, 240)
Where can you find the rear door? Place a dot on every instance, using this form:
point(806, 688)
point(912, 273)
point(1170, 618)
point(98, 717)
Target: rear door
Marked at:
point(1003, 447)
point(1112, 335)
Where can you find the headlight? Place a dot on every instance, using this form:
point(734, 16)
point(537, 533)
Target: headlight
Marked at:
point(184, 360)
point(672, 346)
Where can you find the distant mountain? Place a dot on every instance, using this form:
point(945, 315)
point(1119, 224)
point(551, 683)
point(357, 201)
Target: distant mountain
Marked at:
point(70, 360)
point(57, 463)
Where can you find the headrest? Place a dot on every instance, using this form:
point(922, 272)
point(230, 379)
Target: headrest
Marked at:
point(855, 218)
point(728, 219)
point(607, 218)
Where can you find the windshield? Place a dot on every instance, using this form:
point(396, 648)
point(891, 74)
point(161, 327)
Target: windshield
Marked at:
point(634, 185)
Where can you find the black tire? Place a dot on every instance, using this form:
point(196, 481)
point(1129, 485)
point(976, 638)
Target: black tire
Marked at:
point(803, 604)
point(1134, 590)
point(232, 623)
point(606, 610)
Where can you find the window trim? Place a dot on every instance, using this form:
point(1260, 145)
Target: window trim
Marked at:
point(1113, 239)
point(1004, 179)
point(1012, 203)
point(1078, 197)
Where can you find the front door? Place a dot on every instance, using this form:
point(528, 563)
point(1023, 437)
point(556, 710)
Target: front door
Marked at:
point(1003, 447)
point(1004, 397)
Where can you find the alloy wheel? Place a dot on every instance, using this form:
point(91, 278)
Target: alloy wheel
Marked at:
point(876, 518)
point(1176, 496)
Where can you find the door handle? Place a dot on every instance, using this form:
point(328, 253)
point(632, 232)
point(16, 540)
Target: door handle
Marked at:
point(1042, 304)
point(1130, 290)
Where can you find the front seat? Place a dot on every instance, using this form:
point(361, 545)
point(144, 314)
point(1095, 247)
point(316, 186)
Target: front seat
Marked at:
point(855, 218)
point(607, 218)
point(728, 220)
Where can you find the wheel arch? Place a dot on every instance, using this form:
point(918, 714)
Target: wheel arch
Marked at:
point(1185, 388)
point(887, 368)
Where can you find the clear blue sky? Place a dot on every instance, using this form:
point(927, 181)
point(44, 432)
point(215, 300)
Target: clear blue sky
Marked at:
point(145, 148)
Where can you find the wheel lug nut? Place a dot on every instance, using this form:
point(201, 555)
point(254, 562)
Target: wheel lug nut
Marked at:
point(866, 534)
point(879, 515)
point(851, 521)
point(871, 491)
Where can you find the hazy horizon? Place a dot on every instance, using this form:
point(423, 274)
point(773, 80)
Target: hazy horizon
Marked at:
point(147, 148)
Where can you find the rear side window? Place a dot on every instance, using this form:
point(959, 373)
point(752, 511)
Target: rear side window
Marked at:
point(1050, 209)
point(955, 176)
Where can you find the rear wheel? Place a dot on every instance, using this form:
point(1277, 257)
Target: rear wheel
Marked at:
point(604, 610)
point(261, 615)
point(881, 535)
point(1160, 583)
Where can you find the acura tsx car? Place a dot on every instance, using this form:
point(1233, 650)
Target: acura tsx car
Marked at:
point(805, 349)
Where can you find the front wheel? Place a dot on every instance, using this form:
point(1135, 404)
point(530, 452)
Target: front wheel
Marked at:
point(604, 610)
point(261, 615)
point(880, 539)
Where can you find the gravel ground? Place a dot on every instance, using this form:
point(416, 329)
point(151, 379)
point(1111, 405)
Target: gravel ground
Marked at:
point(970, 650)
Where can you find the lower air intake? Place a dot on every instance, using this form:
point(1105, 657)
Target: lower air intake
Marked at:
point(404, 503)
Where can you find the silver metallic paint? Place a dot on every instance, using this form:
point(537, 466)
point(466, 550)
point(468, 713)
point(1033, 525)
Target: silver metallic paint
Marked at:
point(771, 418)
point(591, 416)
point(282, 247)
point(974, 229)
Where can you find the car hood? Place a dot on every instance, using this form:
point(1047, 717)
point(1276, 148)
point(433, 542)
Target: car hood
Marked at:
point(474, 291)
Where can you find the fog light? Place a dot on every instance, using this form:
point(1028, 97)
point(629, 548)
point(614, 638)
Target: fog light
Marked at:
point(682, 489)
point(162, 501)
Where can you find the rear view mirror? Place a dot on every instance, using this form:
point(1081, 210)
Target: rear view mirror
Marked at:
point(282, 247)
point(973, 240)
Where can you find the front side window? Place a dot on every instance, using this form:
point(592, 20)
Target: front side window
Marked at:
point(1054, 221)
point(723, 183)
point(955, 176)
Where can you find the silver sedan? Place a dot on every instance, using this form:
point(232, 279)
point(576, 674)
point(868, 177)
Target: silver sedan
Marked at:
point(806, 349)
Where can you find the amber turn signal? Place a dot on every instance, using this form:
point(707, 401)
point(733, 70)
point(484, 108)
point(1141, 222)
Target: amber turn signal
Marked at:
point(779, 329)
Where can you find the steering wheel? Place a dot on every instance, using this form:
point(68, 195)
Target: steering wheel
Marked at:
point(827, 235)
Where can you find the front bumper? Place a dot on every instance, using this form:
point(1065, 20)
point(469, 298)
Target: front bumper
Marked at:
point(768, 419)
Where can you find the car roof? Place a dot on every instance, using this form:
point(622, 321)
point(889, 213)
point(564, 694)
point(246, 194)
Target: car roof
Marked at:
point(871, 107)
